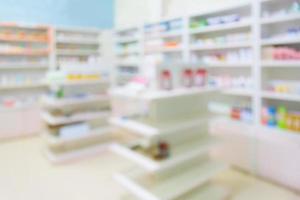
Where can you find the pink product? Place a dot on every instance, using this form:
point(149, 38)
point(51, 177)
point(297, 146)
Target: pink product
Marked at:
point(281, 53)
point(166, 80)
point(194, 78)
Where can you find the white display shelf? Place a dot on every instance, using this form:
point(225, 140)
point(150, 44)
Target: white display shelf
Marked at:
point(128, 52)
point(60, 103)
point(74, 155)
point(77, 52)
point(220, 46)
point(239, 92)
point(210, 192)
point(164, 50)
point(179, 154)
point(223, 27)
point(280, 41)
point(35, 53)
point(226, 64)
point(21, 40)
point(23, 86)
point(150, 129)
point(281, 64)
point(146, 187)
point(280, 19)
point(162, 94)
point(281, 96)
point(79, 41)
point(63, 120)
point(24, 66)
point(56, 140)
point(128, 39)
point(81, 82)
point(171, 34)
point(159, 95)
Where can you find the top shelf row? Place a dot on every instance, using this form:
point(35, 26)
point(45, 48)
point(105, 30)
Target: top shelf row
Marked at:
point(234, 17)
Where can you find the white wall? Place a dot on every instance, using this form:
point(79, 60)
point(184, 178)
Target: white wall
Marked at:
point(182, 7)
point(133, 12)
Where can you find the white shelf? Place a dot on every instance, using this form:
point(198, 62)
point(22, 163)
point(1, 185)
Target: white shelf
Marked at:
point(209, 192)
point(226, 64)
point(281, 64)
point(239, 92)
point(147, 187)
point(149, 129)
point(21, 66)
point(223, 27)
point(281, 96)
point(220, 46)
point(58, 158)
point(280, 41)
point(164, 50)
point(159, 95)
point(24, 86)
point(280, 19)
point(128, 39)
point(179, 154)
point(79, 41)
point(77, 52)
point(81, 82)
point(63, 120)
point(60, 103)
point(164, 35)
point(56, 140)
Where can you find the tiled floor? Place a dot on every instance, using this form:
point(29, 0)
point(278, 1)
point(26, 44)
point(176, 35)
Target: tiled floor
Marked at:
point(26, 175)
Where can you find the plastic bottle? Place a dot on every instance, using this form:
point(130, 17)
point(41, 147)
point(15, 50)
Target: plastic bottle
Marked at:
point(281, 117)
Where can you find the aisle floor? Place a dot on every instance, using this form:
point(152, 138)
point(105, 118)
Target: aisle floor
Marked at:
point(26, 175)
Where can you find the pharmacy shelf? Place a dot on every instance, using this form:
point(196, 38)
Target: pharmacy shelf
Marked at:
point(125, 40)
point(222, 27)
point(172, 34)
point(280, 19)
point(23, 66)
point(226, 64)
point(145, 187)
point(180, 153)
point(164, 50)
point(80, 82)
point(74, 155)
point(281, 64)
point(280, 41)
point(281, 96)
point(209, 192)
point(81, 117)
point(33, 53)
point(77, 52)
point(65, 102)
point(21, 40)
point(220, 46)
point(160, 95)
point(244, 92)
point(78, 41)
point(151, 129)
point(96, 133)
point(23, 86)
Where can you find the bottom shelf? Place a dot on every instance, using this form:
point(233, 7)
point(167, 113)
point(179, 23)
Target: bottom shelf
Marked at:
point(169, 186)
point(63, 157)
point(207, 192)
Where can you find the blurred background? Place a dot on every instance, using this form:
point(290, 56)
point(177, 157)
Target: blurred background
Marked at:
point(150, 100)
